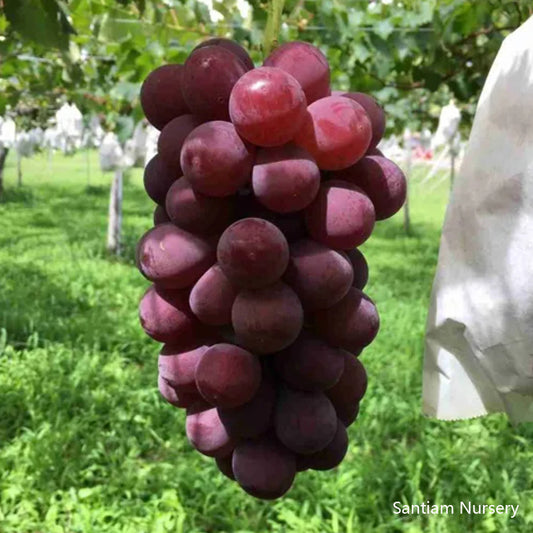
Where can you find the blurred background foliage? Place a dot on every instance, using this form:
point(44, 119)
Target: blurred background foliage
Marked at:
point(413, 55)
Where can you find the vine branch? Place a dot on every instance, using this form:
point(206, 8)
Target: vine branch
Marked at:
point(273, 25)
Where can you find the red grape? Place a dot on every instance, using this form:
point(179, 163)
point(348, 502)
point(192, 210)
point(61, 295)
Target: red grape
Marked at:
point(336, 131)
point(309, 364)
point(374, 151)
point(285, 178)
point(206, 432)
point(228, 376)
point(210, 73)
point(351, 323)
point(346, 394)
point(307, 64)
point(305, 422)
point(161, 97)
point(375, 114)
point(233, 47)
point(215, 160)
point(177, 365)
point(267, 320)
point(172, 257)
point(158, 178)
point(166, 317)
point(195, 212)
point(341, 216)
point(172, 138)
point(212, 297)
point(224, 466)
point(319, 275)
point(381, 179)
point(360, 268)
point(332, 455)
point(263, 467)
point(292, 225)
point(175, 398)
point(254, 417)
point(267, 106)
point(301, 463)
point(253, 253)
point(160, 215)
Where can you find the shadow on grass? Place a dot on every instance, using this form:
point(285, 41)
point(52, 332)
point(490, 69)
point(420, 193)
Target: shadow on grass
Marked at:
point(96, 190)
point(82, 216)
point(419, 231)
point(33, 305)
point(17, 195)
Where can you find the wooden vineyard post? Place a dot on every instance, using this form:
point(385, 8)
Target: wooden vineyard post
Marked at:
point(3, 156)
point(88, 165)
point(408, 166)
point(114, 228)
point(452, 162)
point(19, 169)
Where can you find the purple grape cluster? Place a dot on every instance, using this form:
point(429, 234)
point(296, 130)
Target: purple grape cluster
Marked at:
point(265, 184)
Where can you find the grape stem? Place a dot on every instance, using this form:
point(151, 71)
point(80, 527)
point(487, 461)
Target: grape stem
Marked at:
point(273, 24)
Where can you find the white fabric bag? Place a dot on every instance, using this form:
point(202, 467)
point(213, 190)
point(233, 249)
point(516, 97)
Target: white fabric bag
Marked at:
point(111, 153)
point(479, 338)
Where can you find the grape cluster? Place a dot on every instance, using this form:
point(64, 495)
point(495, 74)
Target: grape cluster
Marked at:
point(266, 183)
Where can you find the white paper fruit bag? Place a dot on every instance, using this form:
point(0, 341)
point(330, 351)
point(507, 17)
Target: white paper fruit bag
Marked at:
point(479, 339)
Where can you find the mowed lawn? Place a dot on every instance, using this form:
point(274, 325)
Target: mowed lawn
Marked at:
point(87, 445)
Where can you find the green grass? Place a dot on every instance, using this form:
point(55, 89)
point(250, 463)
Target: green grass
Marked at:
point(86, 445)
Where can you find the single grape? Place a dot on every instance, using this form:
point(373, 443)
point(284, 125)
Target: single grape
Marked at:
point(351, 323)
point(195, 212)
point(292, 225)
point(375, 114)
point(346, 394)
point(336, 131)
point(342, 216)
point(177, 364)
point(305, 422)
point(175, 398)
point(267, 320)
point(360, 268)
point(319, 275)
point(160, 215)
point(374, 151)
point(307, 64)
point(212, 297)
point(224, 466)
point(158, 178)
point(232, 46)
point(267, 106)
point(172, 257)
point(254, 417)
point(173, 136)
point(253, 253)
point(209, 75)
point(215, 160)
point(166, 317)
point(263, 467)
point(309, 364)
point(228, 376)
point(285, 178)
point(301, 463)
point(332, 455)
point(161, 97)
point(206, 432)
point(381, 179)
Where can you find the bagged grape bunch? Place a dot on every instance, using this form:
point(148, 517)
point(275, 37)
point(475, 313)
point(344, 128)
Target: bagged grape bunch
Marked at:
point(266, 183)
